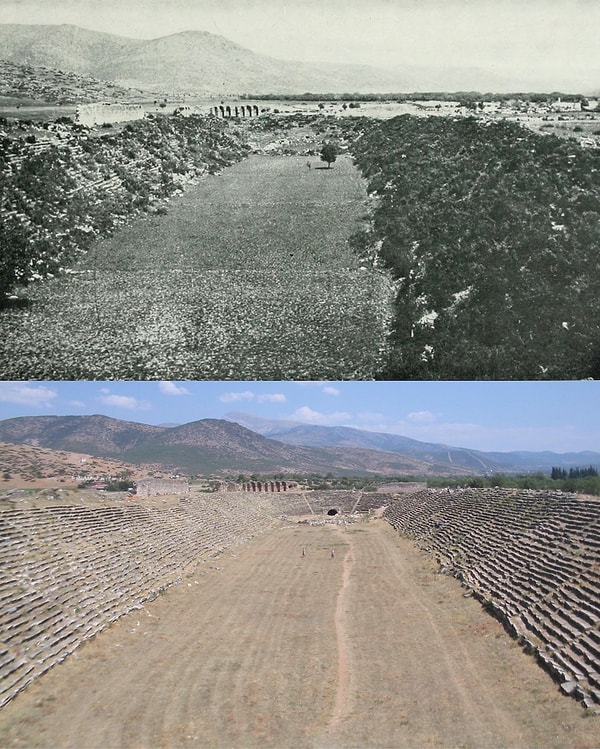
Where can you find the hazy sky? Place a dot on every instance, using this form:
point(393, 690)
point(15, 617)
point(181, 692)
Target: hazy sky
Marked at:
point(556, 38)
point(558, 416)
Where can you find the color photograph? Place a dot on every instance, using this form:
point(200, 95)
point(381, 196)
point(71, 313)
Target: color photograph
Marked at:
point(307, 564)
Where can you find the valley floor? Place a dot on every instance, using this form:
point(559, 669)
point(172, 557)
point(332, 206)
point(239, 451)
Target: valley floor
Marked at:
point(271, 646)
point(248, 276)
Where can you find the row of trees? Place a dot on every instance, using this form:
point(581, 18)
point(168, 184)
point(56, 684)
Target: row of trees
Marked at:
point(324, 481)
point(588, 484)
point(559, 474)
point(424, 96)
point(579, 480)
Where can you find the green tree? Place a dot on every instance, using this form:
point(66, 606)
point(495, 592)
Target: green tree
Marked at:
point(329, 153)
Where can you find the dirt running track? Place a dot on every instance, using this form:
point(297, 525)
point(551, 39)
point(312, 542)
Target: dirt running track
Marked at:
point(270, 648)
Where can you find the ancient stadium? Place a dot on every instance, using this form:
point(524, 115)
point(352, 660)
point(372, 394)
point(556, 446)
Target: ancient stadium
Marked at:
point(307, 619)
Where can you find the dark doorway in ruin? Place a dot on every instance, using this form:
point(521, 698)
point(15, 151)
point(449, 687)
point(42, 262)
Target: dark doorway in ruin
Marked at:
point(333, 511)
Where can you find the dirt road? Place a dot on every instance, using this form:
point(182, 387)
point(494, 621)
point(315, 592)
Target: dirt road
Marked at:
point(356, 642)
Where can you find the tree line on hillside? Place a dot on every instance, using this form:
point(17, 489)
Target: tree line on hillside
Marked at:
point(423, 96)
point(558, 473)
point(579, 481)
point(492, 233)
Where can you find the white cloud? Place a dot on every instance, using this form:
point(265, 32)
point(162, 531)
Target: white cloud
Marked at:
point(37, 396)
point(124, 401)
point(171, 388)
point(272, 398)
point(326, 387)
point(310, 416)
point(245, 395)
point(422, 417)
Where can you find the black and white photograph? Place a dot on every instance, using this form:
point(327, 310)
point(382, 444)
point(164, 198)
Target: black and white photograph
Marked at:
point(271, 190)
point(299, 361)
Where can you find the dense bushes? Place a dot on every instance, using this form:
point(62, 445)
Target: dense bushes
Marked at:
point(493, 235)
point(581, 485)
point(57, 199)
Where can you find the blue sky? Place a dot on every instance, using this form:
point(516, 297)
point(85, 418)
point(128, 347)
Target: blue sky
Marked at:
point(554, 39)
point(558, 416)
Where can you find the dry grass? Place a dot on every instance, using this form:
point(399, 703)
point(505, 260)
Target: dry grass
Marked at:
point(249, 276)
point(31, 467)
point(270, 648)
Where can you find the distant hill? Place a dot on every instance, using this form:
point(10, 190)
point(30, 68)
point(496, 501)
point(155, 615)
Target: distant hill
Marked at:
point(208, 446)
point(191, 61)
point(25, 463)
point(201, 63)
point(93, 435)
point(215, 446)
point(476, 461)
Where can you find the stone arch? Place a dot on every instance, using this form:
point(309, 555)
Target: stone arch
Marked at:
point(333, 511)
point(255, 110)
point(222, 110)
point(228, 110)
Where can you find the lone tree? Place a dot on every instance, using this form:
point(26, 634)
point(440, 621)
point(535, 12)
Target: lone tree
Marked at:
point(329, 153)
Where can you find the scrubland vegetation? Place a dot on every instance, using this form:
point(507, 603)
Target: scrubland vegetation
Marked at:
point(492, 233)
point(63, 190)
point(250, 276)
point(24, 84)
point(576, 480)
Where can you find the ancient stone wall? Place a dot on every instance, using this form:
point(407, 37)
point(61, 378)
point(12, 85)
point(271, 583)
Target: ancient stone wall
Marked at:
point(105, 113)
point(235, 110)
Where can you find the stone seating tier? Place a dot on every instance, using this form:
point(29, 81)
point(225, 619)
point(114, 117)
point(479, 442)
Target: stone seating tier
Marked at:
point(70, 571)
point(533, 559)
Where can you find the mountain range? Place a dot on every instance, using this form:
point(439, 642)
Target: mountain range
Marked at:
point(204, 64)
point(476, 461)
point(194, 62)
point(217, 446)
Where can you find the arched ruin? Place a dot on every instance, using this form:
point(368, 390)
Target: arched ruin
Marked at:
point(235, 110)
point(268, 486)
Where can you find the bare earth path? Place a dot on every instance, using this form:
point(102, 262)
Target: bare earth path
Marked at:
point(270, 648)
